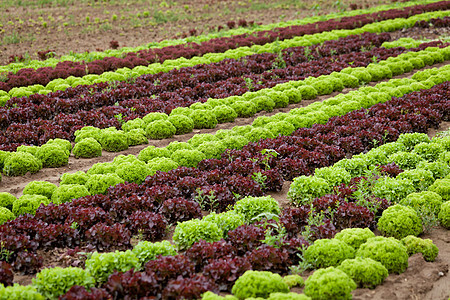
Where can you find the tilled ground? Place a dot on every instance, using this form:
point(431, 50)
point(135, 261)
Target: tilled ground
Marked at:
point(81, 26)
point(422, 33)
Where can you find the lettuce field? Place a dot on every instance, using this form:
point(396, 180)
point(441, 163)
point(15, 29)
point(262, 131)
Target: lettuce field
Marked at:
point(224, 150)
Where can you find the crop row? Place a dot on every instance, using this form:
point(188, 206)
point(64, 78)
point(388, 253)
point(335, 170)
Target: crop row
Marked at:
point(126, 73)
point(50, 155)
point(88, 57)
point(136, 208)
point(242, 248)
point(434, 23)
point(73, 108)
point(413, 171)
point(414, 162)
point(410, 42)
point(349, 207)
point(202, 146)
point(68, 111)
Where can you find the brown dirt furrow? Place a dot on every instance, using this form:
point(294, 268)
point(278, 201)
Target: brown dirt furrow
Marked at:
point(81, 26)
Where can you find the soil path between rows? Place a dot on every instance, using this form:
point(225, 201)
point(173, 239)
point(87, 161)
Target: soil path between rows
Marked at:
point(67, 28)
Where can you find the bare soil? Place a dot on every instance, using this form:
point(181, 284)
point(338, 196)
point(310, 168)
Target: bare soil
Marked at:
point(421, 33)
point(80, 26)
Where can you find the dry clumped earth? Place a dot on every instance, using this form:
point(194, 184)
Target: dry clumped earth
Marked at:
point(422, 280)
point(83, 25)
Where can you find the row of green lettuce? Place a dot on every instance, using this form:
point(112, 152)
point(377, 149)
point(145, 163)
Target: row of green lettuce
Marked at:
point(353, 258)
point(201, 146)
point(421, 193)
point(91, 56)
point(408, 43)
point(418, 193)
point(361, 257)
point(124, 74)
point(426, 171)
point(90, 141)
